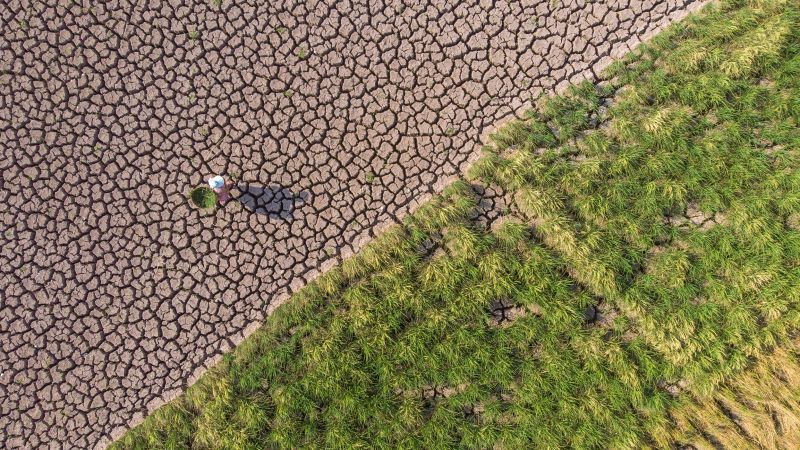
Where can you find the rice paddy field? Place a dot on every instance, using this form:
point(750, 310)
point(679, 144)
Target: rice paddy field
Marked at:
point(642, 291)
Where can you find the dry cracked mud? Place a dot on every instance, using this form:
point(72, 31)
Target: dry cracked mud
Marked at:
point(336, 117)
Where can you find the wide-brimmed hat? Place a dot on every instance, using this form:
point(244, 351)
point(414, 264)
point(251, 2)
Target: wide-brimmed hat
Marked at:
point(216, 182)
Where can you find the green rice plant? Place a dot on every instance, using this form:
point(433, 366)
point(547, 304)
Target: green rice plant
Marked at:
point(203, 197)
point(570, 113)
point(456, 202)
point(528, 132)
point(757, 48)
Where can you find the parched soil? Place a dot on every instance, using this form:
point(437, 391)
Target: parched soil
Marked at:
point(336, 118)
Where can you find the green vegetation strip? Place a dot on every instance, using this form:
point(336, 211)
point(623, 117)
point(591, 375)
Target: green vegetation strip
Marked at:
point(674, 213)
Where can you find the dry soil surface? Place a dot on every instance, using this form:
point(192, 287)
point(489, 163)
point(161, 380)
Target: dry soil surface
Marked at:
point(336, 117)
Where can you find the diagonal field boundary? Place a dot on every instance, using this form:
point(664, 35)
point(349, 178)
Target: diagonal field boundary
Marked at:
point(115, 294)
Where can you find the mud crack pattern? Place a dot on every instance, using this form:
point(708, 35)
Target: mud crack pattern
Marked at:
point(336, 117)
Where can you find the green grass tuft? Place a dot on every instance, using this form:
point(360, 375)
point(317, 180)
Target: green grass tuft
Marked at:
point(203, 197)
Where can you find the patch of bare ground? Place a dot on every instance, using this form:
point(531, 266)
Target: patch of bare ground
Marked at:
point(793, 221)
point(601, 315)
point(694, 217)
point(503, 313)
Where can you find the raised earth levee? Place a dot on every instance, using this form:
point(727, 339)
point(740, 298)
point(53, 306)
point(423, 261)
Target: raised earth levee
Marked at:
point(335, 117)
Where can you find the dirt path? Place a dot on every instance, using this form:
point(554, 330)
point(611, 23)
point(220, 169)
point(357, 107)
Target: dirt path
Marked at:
point(115, 293)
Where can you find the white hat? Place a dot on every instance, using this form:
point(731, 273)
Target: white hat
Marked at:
point(216, 182)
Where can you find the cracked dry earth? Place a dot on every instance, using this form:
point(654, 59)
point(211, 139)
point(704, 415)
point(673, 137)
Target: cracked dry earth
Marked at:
point(337, 117)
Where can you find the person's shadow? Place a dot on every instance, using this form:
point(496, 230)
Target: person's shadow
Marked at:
point(277, 202)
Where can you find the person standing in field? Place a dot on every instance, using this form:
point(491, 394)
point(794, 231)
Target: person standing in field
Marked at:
point(221, 188)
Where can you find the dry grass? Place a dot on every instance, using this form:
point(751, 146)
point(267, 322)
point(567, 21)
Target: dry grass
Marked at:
point(759, 408)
